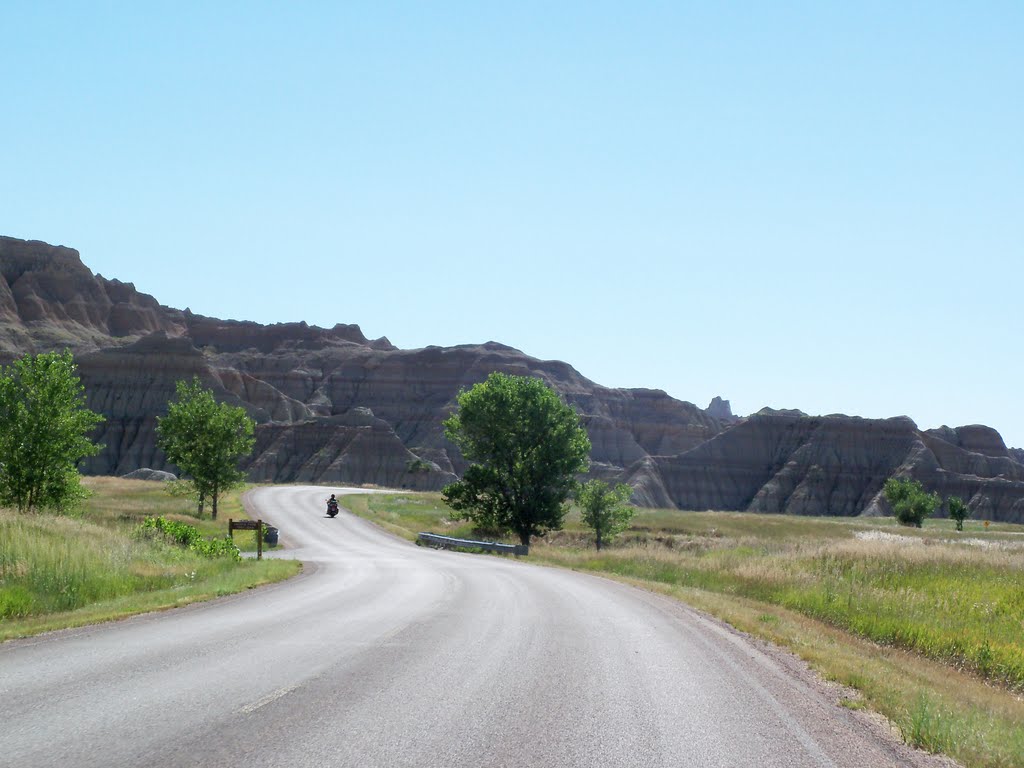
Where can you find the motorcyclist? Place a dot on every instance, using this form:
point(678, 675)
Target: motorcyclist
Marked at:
point(332, 506)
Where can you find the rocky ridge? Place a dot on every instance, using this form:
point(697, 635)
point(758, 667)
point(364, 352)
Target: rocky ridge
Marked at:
point(332, 406)
point(788, 462)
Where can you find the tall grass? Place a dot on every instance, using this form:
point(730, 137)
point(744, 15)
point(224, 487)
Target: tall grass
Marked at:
point(64, 571)
point(56, 564)
point(957, 604)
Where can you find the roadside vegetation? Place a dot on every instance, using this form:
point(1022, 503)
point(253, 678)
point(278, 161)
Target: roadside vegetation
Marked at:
point(59, 571)
point(205, 440)
point(70, 557)
point(525, 447)
point(44, 432)
point(927, 625)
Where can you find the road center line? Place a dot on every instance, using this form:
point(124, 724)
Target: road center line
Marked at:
point(248, 709)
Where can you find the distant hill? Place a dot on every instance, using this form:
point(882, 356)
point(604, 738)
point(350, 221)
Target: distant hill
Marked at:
point(335, 407)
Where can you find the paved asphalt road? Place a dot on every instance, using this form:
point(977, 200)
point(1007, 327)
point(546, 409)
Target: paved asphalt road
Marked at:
point(385, 654)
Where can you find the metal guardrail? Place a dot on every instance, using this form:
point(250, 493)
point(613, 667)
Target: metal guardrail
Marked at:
point(447, 542)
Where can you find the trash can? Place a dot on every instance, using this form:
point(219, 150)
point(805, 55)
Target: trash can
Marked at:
point(270, 535)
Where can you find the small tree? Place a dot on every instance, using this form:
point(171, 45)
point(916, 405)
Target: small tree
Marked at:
point(206, 440)
point(910, 504)
point(957, 511)
point(180, 434)
point(525, 447)
point(604, 509)
point(44, 427)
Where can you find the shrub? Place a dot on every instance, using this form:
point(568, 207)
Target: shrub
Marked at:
point(910, 504)
point(188, 536)
point(224, 547)
point(417, 465)
point(957, 511)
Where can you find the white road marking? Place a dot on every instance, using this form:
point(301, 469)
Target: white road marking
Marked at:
point(248, 709)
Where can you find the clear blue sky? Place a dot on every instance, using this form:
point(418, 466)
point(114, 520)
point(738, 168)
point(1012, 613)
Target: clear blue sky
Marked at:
point(802, 205)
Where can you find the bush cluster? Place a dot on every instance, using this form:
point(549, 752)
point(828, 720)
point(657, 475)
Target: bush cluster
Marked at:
point(910, 504)
point(189, 536)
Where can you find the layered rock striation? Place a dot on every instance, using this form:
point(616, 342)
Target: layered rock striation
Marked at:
point(792, 463)
point(332, 406)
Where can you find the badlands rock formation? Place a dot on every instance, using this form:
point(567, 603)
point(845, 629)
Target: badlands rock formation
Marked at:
point(721, 410)
point(332, 406)
point(153, 475)
point(788, 462)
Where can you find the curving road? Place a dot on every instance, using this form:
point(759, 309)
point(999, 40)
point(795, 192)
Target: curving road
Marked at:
point(386, 654)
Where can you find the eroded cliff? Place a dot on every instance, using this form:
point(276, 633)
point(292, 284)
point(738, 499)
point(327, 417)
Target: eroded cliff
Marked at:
point(788, 462)
point(332, 406)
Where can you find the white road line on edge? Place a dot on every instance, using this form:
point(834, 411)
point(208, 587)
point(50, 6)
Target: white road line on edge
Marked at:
point(248, 709)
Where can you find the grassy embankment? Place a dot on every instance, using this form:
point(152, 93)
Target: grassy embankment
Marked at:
point(926, 625)
point(58, 572)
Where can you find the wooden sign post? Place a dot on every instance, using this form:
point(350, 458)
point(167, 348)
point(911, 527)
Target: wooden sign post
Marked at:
point(248, 525)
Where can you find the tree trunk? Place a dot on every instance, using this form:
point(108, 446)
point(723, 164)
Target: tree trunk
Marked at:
point(202, 504)
point(213, 501)
point(598, 532)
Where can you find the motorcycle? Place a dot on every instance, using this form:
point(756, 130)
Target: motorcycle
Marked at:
point(332, 508)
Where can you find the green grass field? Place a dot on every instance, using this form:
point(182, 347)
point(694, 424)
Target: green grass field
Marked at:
point(59, 571)
point(927, 625)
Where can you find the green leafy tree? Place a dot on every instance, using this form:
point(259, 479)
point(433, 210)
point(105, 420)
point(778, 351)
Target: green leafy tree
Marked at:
point(604, 509)
point(525, 447)
point(910, 504)
point(206, 440)
point(44, 431)
point(957, 511)
point(179, 434)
